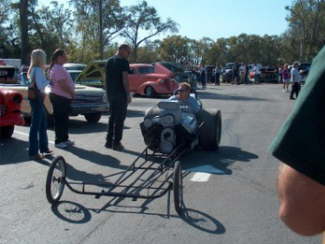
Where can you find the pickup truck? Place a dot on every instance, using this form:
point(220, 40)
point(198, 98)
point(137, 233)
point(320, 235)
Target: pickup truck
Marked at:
point(90, 102)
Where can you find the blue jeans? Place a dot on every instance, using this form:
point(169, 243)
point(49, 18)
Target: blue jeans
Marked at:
point(37, 134)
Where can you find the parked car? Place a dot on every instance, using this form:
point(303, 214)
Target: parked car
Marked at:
point(74, 74)
point(93, 75)
point(88, 101)
point(143, 79)
point(10, 114)
point(227, 73)
point(177, 72)
point(269, 74)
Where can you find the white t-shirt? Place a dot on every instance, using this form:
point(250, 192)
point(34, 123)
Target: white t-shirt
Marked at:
point(295, 75)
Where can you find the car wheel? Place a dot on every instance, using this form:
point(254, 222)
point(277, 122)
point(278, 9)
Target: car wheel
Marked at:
point(6, 131)
point(93, 117)
point(149, 91)
point(210, 131)
point(28, 120)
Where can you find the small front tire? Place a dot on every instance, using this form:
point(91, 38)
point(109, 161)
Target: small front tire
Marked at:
point(178, 188)
point(55, 180)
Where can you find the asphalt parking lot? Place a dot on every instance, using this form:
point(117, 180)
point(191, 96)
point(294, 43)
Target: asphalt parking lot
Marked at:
point(230, 195)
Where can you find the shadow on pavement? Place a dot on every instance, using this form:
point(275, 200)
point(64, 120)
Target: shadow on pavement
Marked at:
point(71, 212)
point(96, 158)
point(216, 162)
point(210, 95)
point(203, 221)
point(8, 154)
point(134, 113)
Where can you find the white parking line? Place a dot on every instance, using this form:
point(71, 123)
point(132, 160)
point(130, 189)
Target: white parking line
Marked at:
point(27, 135)
point(201, 177)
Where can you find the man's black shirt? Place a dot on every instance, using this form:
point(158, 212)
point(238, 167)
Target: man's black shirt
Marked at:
point(115, 67)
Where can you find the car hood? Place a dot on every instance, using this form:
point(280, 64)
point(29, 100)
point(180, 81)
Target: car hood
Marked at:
point(80, 89)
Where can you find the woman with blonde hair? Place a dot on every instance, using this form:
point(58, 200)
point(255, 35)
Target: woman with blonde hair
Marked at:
point(38, 141)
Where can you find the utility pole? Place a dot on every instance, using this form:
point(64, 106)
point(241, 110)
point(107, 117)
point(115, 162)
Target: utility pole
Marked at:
point(23, 12)
point(101, 45)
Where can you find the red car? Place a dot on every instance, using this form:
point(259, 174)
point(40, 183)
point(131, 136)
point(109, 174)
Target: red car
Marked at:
point(144, 80)
point(10, 114)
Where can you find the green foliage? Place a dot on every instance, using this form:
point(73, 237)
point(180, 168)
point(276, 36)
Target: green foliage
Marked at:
point(142, 17)
point(75, 27)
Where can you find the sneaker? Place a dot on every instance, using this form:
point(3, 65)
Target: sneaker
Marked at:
point(48, 152)
point(118, 147)
point(69, 143)
point(108, 145)
point(36, 157)
point(61, 145)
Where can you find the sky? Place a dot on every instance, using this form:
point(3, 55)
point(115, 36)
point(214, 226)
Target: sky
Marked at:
point(220, 18)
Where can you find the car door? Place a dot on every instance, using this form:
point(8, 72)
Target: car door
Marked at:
point(133, 79)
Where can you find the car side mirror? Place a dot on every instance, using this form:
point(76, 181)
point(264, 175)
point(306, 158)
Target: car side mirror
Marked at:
point(131, 72)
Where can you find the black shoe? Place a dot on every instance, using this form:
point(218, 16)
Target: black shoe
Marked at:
point(118, 147)
point(291, 98)
point(108, 145)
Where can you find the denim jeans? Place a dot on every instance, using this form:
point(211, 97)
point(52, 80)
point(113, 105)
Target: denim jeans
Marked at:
point(118, 110)
point(37, 134)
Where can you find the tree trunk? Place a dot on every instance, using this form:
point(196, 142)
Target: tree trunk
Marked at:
point(23, 12)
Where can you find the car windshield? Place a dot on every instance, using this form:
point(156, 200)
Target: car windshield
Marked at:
point(74, 75)
point(7, 75)
point(75, 67)
point(146, 70)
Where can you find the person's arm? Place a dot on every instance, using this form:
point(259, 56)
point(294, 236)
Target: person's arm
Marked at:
point(300, 146)
point(125, 74)
point(302, 202)
point(195, 105)
point(126, 85)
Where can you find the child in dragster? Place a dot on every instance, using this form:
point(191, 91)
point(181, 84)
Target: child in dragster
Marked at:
point(181, 121)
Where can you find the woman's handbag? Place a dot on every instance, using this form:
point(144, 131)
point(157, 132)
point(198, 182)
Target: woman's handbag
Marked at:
point(33, 92)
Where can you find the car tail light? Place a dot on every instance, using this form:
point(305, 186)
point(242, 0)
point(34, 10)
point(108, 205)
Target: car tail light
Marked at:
point(17, 98)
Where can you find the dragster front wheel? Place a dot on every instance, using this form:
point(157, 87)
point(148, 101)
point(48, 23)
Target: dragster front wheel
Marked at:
point(55, 180)
point(178, 188)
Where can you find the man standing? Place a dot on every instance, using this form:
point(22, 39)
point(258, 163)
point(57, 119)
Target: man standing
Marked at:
point(117, 88)
point(295, 80)
point(203, 77)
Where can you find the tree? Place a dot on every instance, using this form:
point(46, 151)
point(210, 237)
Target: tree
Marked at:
point(175, 49)
point(51, 27)
point(306, 30)
point(86, 16)
point(144, 18)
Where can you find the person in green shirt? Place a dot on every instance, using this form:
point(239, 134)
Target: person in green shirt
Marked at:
point(300, 145)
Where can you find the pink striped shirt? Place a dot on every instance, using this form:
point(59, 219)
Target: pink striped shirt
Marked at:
point(57, 73)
